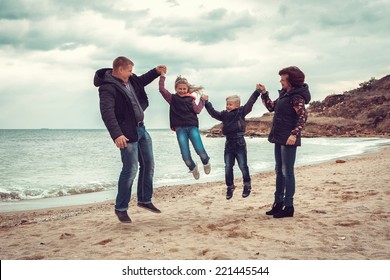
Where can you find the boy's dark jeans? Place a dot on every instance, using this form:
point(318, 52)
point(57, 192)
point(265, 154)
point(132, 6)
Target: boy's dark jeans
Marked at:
point(235, 148)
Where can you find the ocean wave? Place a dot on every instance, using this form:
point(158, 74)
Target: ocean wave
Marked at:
point(17, 195)
point(93, 166)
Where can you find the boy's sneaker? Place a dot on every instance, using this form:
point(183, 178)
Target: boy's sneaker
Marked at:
point(149, 206)
point(246, 191)
point(195, 172)
point(229, 192)
point(207, 168)
point(123, 216)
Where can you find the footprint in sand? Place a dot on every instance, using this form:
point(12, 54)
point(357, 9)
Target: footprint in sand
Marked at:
point(67, 235)
point(318, 211)
point(173, 250)
point(204, 252)
point(104, 242)
point(35, 257)
point(348, 223)
point(207, 203)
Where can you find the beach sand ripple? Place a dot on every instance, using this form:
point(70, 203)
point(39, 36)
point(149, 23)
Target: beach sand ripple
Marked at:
point(342, 212)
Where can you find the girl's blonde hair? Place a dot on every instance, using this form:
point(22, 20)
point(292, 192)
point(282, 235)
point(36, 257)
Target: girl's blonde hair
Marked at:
point(191, 88)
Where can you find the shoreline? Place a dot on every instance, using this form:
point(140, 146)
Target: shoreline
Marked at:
point(57, 195)
point(109, 195)
point(341, 213)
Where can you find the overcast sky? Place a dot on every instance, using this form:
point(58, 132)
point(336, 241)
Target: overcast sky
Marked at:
point(50, 50)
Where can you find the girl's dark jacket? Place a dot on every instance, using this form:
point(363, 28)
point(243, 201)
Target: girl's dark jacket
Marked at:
point(233, 122)
point(181, 112)
point(285, 118)
point(115, 106)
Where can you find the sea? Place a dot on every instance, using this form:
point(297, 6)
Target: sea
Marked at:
point(45, 168)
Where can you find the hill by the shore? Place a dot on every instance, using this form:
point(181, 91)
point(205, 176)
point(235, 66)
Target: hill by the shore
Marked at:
point(362, 112)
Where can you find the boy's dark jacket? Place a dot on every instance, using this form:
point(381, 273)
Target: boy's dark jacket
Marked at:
point(233, 122)
point(115, 106)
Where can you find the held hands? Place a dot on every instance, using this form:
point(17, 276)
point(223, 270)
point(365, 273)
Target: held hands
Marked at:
point(261, 88)
point(121, 142)
point(162, 70)
point(204, 97)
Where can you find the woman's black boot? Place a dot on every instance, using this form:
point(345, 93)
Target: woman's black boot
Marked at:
point(288, 211)
point(276, 207)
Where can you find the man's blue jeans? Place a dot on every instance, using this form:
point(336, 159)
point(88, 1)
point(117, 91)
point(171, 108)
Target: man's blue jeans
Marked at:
point(285, 178)
point(236, 149)
point(140, 152)
point(184, 134)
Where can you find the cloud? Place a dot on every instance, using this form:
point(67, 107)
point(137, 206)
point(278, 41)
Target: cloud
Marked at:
point(62, 26)
point(51, 52)
point(173, 3)
point(29, 9)
point(209, 28)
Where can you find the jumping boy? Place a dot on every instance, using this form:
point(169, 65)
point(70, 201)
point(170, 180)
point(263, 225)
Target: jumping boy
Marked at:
point(233, 127)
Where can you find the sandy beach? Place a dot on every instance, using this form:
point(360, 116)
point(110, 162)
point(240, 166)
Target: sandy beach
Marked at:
point(342, 213)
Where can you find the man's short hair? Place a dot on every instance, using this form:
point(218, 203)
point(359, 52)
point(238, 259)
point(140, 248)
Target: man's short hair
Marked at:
point(121, 61)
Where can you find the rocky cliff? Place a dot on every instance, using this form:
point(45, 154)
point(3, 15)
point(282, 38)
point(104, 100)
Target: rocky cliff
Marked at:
point(362, 112)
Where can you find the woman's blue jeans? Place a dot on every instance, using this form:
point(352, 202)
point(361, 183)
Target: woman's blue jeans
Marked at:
point(185, 134)
point(136, 153)
point(285, 178)
point(236, 149)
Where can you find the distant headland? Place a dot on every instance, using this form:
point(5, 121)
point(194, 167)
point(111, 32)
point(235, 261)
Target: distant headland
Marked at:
point(361, 112)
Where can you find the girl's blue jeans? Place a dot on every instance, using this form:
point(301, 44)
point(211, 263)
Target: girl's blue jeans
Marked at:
point(185, 134)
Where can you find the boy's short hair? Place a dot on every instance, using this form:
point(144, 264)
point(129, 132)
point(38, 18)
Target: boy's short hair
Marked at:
point(234, 98)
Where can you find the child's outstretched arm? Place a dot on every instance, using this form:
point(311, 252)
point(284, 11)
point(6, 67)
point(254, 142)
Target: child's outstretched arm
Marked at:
point(251, 101)
point(212, 112)
point(164, 92)
point(198, 108)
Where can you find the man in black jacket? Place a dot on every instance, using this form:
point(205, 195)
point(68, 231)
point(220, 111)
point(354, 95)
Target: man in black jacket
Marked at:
point(123, 101)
